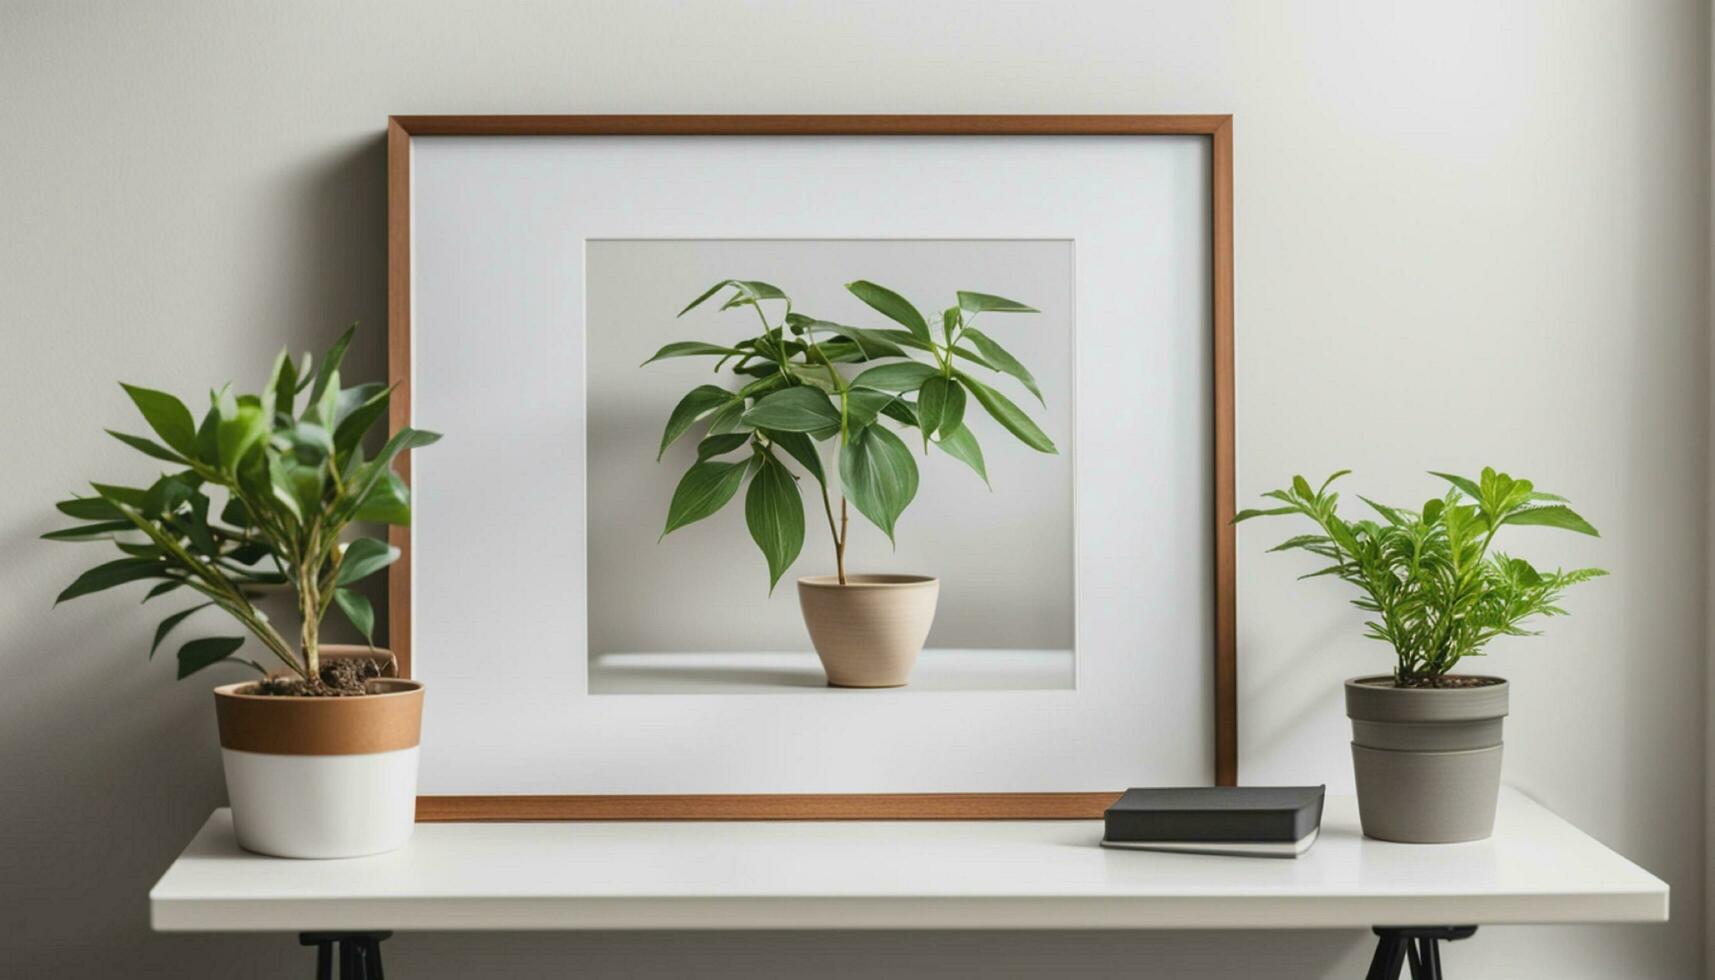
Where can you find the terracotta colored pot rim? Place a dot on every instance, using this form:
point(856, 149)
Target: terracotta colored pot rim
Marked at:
point(393, 687)
point(867, 581)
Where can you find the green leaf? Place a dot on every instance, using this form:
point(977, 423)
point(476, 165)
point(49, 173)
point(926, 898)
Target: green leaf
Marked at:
point(974, 357)
point(692, 348)
point(88, 531)
point(962, 446)
point(774, 512)
point(163, 588)
point(872, 343)
point(357, 611)
point(901, 376)
point(891, 305)
point(284, 382)
point(1248, 513)
point(356, 410)
point(107, 575)
point(863, 405)
point(167, 625)
point(698, 402)
point(693, 304)
point(901, 411)
point(1554, 516)
point(89, 509)
point(388, 502)
point(799, 409)
point(720, 445)
point(168, 416)
point(1007, 414)
point(1432, 510)
point(950, 322)
point(998, 356)
point(237, 435)
point(1301, 487)
point(327, 373)
point(1388, 513)
point(1468, 487)
point(940, 407)
point(983, 303)
point(879, 476)
point(801, 448)
point(364, 557)
point(705, 488)
point(728, 418)
point(148, 447)
point(198, 654)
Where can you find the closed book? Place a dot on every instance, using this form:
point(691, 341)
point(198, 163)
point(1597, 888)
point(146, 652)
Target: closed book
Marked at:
point(1267, 820)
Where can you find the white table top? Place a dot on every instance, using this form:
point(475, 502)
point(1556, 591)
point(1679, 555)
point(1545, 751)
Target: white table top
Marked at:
point(801, 673)
point(930, 875)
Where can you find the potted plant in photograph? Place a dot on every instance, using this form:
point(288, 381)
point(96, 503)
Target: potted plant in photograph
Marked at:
point(804, 381)
point(320, 752)
point(1426, 743)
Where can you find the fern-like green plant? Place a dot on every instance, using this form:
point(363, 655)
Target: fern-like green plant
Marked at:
point(1436, 592)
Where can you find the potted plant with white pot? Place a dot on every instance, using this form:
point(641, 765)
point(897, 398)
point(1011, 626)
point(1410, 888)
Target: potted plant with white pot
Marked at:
point(804, 381)
point(1426, 743)
point(320, 752)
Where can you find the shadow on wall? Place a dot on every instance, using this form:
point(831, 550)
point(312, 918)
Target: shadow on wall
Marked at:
point(107, 765)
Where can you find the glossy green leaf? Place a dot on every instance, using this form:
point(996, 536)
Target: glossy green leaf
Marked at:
point(901, 376)
point(357, 610)
point(774, 512)
point(89, 509)
point(960, 444)
point(148, 447)
point(109, 574)
point(864, 404)
point(1554, 516)
point(168, 416)
point(167, 625)
point(88, 531)
point(327, 372)
point(283, 381)
point(705, 488)
point(692, 348)
point(799, 409)
point(1007, 414)
point(237, 435)
point(871, 343)
point(984, 303)
point(163, 588)
point(879, 476)
point(198, 654)
point(1002, 360)
point(940, 407)
point(356, 411)
point(800, 447)
point(727, 419)
point(693, 304)
point(1466, 486)
point(364, 557)
point(891, 305)
point(901, 411)
point(720, 445)
point(699, 401)
point(388, 502)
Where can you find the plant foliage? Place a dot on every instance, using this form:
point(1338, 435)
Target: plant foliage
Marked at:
point(261, 491)
point(1436, 592)
point(802, 381)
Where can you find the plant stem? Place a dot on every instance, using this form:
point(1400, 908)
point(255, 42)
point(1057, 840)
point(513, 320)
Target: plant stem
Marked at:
point(309, 606)
point(840, 543)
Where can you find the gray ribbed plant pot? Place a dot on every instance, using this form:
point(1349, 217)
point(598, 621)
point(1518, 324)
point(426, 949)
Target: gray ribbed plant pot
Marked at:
point(1428, 760)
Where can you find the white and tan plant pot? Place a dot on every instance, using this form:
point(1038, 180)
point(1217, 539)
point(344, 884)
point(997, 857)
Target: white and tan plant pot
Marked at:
point(869, 631)
point(322, 777)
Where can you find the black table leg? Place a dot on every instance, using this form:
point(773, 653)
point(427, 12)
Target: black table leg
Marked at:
point(1416, 946)
point(359, 953)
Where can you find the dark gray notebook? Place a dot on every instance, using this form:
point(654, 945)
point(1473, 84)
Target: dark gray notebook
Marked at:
point(1264, 820)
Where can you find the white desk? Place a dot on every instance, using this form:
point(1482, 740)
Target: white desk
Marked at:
point(994, 875)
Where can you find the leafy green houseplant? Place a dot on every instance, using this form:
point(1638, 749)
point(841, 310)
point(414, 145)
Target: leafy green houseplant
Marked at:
point(800, 383)
point(320, 756)
point(1426, 743)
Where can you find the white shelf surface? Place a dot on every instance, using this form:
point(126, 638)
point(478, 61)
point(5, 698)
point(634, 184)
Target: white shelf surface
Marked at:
point(801, 673)
point(901, 875)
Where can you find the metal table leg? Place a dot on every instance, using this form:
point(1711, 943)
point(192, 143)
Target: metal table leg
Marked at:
point(1418, 947)
point(359, 953)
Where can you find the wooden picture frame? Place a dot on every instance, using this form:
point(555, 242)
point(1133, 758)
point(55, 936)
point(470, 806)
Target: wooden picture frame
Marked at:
point(953, 806)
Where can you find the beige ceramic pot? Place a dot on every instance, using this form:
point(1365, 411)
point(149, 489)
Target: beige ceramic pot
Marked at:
point(322, 777)
point(869, 631)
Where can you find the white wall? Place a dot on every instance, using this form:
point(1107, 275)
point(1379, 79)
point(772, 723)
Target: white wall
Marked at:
point(1467, 233)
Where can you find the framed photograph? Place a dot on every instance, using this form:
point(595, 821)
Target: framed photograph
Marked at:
point(868, 467)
